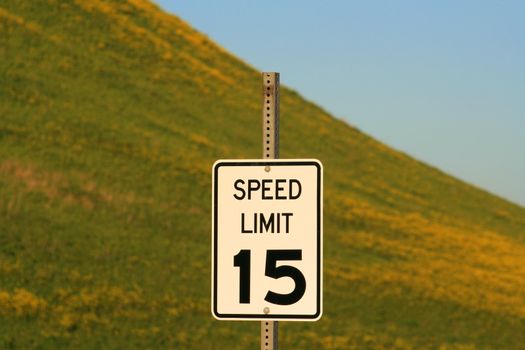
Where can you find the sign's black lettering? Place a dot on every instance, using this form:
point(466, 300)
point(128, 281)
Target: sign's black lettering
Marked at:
point(274, 271)
point(242, 261)
point(243, 229)
point(287, 220)
point(267, 189)
point(279, 189)
point(253, 185)
point(291, 195)
point(266, 223)
point(239, 188)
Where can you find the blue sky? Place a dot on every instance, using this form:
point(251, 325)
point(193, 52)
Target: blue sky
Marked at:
point(443, 81)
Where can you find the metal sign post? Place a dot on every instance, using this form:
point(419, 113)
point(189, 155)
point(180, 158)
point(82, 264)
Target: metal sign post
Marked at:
point(270, 128)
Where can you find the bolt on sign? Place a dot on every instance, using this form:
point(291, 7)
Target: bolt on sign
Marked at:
point(267, 239)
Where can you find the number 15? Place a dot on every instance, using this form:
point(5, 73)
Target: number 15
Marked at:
point(242, 261)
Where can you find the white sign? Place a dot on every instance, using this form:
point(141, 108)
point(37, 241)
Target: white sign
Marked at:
point(267, 239)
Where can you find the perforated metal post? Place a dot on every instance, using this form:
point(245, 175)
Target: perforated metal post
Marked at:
point(270, 118)
point(270, 115)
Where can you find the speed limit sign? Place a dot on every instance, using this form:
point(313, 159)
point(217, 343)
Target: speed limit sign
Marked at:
point(267, 239)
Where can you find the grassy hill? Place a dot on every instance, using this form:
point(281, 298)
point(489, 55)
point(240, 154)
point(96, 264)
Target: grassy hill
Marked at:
point(111, 115)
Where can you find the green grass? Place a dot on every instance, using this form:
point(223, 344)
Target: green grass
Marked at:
point(111, 115)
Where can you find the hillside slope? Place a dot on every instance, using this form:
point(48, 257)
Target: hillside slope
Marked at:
point(111, 115)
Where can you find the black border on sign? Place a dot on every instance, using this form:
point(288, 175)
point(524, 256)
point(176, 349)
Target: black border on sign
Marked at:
point(215, 239)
